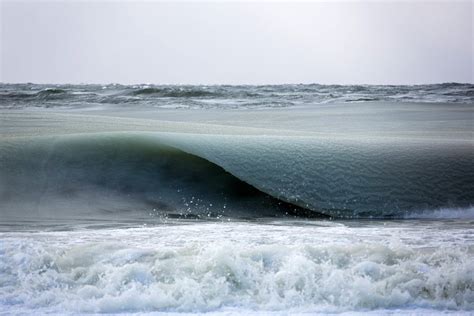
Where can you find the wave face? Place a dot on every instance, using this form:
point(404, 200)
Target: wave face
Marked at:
point(348, 177)
point(180, 174)
point(241, 268)
point(268, 96)
point(124, 176)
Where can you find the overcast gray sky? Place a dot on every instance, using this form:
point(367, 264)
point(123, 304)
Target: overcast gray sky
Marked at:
point(379, 42)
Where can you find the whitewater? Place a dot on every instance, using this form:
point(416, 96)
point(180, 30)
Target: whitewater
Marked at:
point(236, 199)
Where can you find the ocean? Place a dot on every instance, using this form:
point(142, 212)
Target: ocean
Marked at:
point(275, 200)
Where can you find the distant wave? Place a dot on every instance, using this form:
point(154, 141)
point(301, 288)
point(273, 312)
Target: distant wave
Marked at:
point(51, 91)
point(42, 95)
point(225, 96)
point(175, 92)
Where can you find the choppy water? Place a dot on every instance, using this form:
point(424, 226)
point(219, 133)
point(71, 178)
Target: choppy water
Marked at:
point(267, 96)
point(236, 199)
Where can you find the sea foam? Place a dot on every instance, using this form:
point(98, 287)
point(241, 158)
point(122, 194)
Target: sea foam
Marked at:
point(242, 266)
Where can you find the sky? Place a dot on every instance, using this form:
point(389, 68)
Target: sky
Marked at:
point(327, 42)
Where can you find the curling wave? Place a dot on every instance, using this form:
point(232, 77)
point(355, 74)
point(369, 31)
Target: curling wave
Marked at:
point(242, 176)
point(128, 176)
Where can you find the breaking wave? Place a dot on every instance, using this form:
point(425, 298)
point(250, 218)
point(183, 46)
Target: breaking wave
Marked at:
point(126, 174)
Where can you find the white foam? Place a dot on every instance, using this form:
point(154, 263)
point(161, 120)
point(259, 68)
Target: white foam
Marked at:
point(240, 267)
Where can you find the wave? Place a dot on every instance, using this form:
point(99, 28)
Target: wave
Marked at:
point(51, 91)
point(175, 92)
point(225, 96)
point(49, 94)
point(126, 176)
point(240, 176)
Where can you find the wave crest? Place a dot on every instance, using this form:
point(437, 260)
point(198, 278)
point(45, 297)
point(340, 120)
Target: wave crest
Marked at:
point(175, 92)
